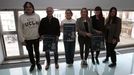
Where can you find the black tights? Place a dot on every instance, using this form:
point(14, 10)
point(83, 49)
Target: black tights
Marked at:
point(97, 54)
point(84, 43)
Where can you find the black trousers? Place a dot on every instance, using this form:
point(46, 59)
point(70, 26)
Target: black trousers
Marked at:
point(69, 51)
point(47, 52)
point(110, 51)
point(85, 44)
point(33, 45)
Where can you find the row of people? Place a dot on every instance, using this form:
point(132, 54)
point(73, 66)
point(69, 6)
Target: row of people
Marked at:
point(31, 30)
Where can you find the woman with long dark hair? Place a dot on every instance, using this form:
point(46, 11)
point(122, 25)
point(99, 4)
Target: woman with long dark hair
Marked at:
point(112, 33)
point(98, 25)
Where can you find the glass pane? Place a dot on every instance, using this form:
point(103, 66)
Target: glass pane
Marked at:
point(41, 13)
point(20, 13)
point(60, 14)
point(127, 33)
point(7, 19)
point(25, 50)
point(11, 45)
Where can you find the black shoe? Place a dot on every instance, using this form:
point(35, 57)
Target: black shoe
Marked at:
point(56, 66)
point(85, 63)
point(31, 68)
point(93, 61)
point(39, 67)
point(97, 61)
point(112, 65)
point(106, 60)
point(47, 67)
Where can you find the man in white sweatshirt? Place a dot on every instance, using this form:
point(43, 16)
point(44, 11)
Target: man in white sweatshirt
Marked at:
point(28, 33)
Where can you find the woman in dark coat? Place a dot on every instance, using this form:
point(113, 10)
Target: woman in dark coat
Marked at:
point(112, 33)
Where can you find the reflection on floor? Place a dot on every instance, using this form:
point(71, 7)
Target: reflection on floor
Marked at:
point(124, 67)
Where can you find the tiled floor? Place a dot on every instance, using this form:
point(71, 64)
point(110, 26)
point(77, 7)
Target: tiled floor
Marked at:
point(125, 66)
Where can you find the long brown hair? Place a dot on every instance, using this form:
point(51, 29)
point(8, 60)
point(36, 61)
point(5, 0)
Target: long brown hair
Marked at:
point(112, 18)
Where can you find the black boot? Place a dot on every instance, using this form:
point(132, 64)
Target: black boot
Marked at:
point(105, 60)
point(97, 55)
point(112, 65)
point(93, 60)
point(92, 54)
point(97, 60)
point(32, 67)
point(39, 67)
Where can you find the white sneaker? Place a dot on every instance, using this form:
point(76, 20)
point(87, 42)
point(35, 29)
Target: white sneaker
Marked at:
point(82, 62)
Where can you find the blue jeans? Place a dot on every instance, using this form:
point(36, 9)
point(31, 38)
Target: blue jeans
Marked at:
point(69, 51)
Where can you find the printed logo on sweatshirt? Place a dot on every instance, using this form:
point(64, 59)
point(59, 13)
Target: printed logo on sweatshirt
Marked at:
point(31, 22)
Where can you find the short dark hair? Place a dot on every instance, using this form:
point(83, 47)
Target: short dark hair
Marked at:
point(25, 5)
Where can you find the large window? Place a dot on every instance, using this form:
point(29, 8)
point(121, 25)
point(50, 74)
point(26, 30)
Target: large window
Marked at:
point(11, 44)
point(13, 47)
point(7, 19)
point(8, 29)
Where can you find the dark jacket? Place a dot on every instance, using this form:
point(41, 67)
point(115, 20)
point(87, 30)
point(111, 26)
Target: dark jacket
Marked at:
point(98, 24)
point(81, 28)
point(113, 30)
point(49, 27)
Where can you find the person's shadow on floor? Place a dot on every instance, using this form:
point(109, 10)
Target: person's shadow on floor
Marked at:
point(70, 70)
point(108, 70)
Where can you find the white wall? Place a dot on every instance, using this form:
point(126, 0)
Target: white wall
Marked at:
point(73, 4)
point(1, 53)
point(1, 49)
